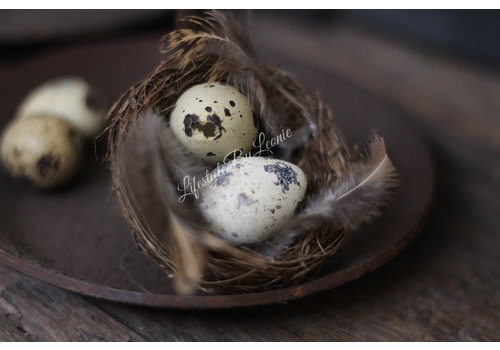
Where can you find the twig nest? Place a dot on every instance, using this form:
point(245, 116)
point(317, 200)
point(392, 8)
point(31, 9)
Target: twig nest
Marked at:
point(213, 120)
point(70, 98)
point(150, 170)
point(251, 198)
point(42, 149)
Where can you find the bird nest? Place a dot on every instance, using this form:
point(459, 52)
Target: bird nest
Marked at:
point(344, 189)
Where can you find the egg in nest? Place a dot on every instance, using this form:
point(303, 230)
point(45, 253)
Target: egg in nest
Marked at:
point(214, 121)
point(251, 198)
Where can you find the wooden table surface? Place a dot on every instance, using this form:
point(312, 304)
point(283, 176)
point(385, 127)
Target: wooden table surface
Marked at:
point(445, 286)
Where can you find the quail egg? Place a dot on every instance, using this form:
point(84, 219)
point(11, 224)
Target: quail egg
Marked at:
point(251, 198)
point(70, 98)
point(214, 120)
point(42, 149)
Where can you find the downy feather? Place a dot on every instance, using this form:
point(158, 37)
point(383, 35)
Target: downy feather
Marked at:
point(354, 200)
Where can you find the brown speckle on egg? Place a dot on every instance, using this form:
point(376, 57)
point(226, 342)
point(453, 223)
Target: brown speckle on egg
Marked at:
point(285, 174)
point(47, 164)
point(208, 129)
point(189, 119)
point(214, 118)
point(243, 199)
point(223, 178)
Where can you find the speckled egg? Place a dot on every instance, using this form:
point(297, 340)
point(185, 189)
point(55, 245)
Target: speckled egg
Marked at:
point(213, 120)
point(42, 149)
point(70, 98)
point(251, 198)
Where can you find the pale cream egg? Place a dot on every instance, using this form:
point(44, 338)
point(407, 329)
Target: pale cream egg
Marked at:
point(43, 149)
point(70, 98)
point(251, 198)
point(214, 120)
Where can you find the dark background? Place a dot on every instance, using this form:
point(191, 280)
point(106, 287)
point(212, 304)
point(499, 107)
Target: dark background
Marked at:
point(472, 35)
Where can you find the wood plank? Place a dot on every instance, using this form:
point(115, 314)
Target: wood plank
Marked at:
point(35, 311)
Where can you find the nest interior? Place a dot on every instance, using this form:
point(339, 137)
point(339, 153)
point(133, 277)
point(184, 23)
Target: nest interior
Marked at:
point(218, 49)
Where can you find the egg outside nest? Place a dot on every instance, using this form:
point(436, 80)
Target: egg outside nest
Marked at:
point(70, 98)
point(43, 150)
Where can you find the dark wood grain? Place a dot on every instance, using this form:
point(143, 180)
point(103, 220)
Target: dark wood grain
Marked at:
point(444, 286)
point(31, 310)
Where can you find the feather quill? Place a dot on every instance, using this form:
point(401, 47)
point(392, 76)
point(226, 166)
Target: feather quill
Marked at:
point(354, 200)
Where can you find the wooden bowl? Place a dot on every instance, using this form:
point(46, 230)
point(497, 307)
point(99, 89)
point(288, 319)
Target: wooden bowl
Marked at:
point(77, 239)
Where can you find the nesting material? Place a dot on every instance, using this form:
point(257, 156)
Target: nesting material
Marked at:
point(148, 164)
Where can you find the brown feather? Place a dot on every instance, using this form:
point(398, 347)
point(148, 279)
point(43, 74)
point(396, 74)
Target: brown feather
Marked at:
point(354, 200)
point(146, 160)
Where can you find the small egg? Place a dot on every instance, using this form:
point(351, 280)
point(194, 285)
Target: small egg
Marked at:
point(251, 198)
point(214, 120)
point(41, 149)
point(70, 98)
